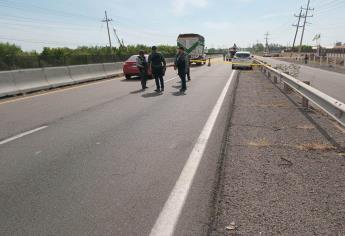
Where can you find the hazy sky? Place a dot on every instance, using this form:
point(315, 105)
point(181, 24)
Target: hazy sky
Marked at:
point(34, 24)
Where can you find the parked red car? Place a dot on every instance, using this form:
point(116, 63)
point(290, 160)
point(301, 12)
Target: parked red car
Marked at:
point(130, 68)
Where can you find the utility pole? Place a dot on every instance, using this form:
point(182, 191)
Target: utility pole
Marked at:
point(107, 20)
point(266, 38)
point(297, 27)
point(306, 16)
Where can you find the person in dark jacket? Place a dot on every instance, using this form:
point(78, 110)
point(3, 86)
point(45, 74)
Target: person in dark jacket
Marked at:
point(188, 68)
point(142, 66)
point(157, 64)
point(306, 58)
point(181, 63)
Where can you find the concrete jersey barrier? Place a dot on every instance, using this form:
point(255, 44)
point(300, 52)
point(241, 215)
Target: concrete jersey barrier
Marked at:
point(7, 85)
point(96, 71)
point(112, 69)
point(58, 76)
point(80, 73)
point(30, 80)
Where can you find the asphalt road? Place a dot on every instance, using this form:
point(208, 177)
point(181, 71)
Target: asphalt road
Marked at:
point(107, 156)
point(329, 82)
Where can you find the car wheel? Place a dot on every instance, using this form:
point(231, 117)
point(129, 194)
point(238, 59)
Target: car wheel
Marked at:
point(128, 76)
point(233, 67)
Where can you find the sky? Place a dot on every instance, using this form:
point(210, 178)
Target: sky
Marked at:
point(34, 24)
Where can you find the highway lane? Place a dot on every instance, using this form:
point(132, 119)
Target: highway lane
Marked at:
point(329, 82)
point(109, 157)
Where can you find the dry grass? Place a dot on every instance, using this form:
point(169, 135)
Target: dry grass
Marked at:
point(308, 127)
point(261, 143)
point(315, 147)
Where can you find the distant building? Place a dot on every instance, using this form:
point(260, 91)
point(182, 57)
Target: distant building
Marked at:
point(339, 45)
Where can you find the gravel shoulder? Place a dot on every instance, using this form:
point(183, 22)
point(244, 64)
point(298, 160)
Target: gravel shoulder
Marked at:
point(333, 68)
point(284, 166)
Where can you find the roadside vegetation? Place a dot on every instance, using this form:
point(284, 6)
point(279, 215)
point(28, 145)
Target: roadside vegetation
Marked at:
point(13, 57)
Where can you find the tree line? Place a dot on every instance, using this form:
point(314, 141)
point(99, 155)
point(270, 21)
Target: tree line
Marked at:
point(13, 57)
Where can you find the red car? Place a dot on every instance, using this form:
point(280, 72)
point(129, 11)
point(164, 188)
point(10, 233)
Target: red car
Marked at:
point(130, 68)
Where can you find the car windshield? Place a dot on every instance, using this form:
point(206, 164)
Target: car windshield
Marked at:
point(134, 58)
point(242, 55)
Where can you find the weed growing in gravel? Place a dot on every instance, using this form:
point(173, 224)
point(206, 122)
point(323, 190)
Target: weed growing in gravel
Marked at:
point(261, 143)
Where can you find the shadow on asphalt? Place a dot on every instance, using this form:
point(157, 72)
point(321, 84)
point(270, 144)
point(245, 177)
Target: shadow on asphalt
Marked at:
point(137, 91)
point(151, 95)
point(134, 79)
point(178, 94)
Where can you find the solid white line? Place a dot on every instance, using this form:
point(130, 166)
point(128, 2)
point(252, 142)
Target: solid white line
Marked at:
point(167, 220)
point(22, 135)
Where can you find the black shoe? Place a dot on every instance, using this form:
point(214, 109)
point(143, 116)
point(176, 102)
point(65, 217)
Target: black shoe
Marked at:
point(189, 79)
point(146, 87)
point(157, 90)
point(162, 89)
point(182, 90)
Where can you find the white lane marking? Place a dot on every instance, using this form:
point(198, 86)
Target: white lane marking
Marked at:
point(22, 135)
point(167, 219)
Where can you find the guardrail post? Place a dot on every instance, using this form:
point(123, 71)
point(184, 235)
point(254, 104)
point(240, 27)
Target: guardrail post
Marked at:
point(275, 79)
point(327, 60)
point(209, 61)
point(286, 87)
point(268, 75)
point(305, 101)
point(320, 60)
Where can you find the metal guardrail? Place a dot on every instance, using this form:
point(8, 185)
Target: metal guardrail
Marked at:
point(330, 105)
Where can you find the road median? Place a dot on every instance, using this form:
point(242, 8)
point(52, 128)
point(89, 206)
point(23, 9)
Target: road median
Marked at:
point(283, 167)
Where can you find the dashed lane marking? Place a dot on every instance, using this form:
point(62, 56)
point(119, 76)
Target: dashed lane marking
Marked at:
point(22, 135)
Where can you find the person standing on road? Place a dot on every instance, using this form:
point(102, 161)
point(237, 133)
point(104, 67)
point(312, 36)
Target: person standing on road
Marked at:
point(306, 58)
point(142, 66)
point(188, 68)
point(157, 64)
point(181, 66)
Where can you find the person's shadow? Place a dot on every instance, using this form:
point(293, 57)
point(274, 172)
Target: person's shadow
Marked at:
point(178, 94)
point(137, 91)
point(151, 95)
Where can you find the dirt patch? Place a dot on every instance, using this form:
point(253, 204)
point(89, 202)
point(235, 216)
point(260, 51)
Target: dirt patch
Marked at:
point(305, 126)
point(261, 143)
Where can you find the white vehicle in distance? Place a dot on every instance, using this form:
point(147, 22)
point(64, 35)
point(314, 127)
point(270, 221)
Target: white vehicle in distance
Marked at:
point(242, 60)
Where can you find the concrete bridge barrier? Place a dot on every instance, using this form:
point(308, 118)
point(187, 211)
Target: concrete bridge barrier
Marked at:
point(7, 85)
